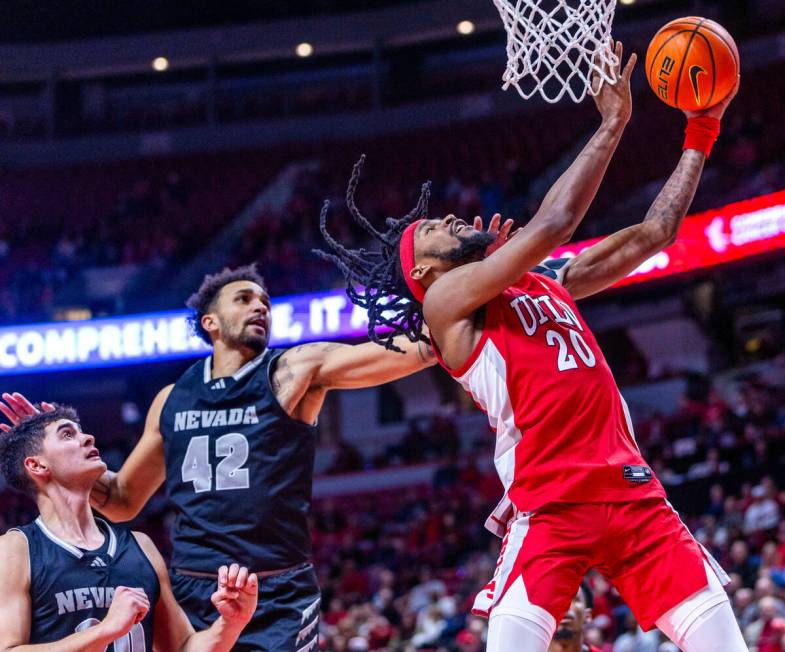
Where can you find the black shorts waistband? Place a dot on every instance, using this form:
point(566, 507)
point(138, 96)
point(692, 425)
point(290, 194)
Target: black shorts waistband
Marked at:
point(259, 574)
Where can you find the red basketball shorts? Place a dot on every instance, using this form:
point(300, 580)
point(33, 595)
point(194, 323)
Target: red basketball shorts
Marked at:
point(641, 547)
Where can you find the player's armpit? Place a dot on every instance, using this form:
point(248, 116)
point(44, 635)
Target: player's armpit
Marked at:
point(610, 260)
point(121, 496)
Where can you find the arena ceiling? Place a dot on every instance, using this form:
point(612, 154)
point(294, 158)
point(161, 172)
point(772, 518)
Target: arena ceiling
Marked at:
point(30, 21)
point(61, 20)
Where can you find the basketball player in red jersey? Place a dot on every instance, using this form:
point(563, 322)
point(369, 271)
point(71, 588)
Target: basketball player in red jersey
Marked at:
point(578, 493)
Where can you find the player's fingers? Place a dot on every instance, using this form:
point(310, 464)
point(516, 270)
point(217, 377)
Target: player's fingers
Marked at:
point(140, 614)
point(734, 90)
point(47, 407)
point(605, 58)
point(477, 223)
point(252, 585)
point(139, 595)
point(234, 569)
point(5, 427)
point(506, 228)
point(493, 226)
point(18, 406)
point(627, 72)
point(27, 406)
point(596, 62)
point(8, 412)
point(595, 83)
point(223, 571)
point(242, 578)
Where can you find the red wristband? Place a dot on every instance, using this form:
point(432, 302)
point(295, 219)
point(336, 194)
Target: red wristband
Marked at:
point(701, 134)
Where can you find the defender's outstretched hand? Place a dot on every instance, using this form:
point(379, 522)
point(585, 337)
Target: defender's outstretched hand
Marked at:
point(614, 101)
point(718, 110)
point(237, 594)
point(16, 407)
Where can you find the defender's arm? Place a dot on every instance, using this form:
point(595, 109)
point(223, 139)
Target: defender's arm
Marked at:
point(121, 496)
point(329, 365)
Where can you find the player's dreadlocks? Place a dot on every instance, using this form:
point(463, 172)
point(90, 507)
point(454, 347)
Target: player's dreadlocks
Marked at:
point(382, 290)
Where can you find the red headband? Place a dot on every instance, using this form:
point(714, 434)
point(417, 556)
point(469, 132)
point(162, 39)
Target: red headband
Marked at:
point(407, 261)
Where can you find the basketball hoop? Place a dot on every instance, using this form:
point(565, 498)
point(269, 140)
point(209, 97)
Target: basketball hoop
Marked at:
point(556, 46)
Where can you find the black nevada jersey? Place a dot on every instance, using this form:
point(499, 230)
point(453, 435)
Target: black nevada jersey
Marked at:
point(239, 470)
point(71, 589)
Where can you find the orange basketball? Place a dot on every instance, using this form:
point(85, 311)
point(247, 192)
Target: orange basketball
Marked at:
point(692, 63)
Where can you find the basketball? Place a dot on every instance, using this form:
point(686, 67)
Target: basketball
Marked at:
point(692, 63)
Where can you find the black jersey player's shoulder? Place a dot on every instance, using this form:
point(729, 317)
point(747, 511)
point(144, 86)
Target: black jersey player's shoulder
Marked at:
point(15, 558)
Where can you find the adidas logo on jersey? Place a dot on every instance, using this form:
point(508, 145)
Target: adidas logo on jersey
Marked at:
point(219, 384)
point(97, 563)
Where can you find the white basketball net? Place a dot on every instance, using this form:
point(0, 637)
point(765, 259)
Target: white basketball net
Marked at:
point(555, 46)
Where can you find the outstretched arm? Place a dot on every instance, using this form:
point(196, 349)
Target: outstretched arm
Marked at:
point(559, 215)
point(330, 365)
point(305, 373)
point(619, 254)
point(574, 191)
point(121, 496)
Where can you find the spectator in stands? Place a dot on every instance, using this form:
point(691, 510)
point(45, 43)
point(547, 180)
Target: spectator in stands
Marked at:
point(745, 607)
point(741, 563)
point(767, 633)
point(763, 513)
point(634, 639)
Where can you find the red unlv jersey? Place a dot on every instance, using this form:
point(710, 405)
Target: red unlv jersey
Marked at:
point(563, 431)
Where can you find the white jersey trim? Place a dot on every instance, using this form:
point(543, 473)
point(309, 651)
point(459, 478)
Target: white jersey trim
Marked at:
point(247, 368)
point(486, 382)
point(112, 548)
point(57, 540)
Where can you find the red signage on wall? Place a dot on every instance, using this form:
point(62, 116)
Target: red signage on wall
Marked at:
point(717, 236)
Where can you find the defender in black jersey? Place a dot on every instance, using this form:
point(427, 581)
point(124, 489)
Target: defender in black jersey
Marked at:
point(74, 582)
point(234, 441)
